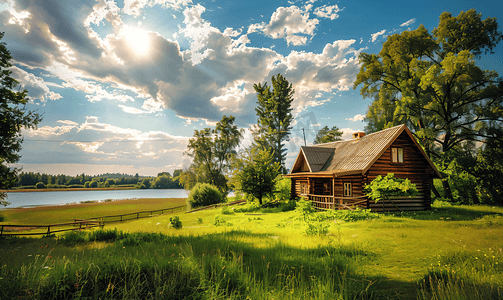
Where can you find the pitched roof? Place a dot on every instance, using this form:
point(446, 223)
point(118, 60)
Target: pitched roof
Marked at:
point(356, 155)
point(316, 157)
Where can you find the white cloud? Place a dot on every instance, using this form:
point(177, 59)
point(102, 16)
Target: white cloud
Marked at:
point(409, 22)
point(132, 110)
point(329, 12)
point(377, 34)
point(347, 133)
point(36, 86)
point(289, 23)
point(358, 117)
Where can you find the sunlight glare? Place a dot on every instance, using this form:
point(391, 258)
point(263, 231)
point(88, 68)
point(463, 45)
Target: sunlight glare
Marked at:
point(137, 40)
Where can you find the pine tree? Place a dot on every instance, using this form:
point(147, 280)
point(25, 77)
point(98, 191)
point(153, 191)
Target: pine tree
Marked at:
point(274, 117)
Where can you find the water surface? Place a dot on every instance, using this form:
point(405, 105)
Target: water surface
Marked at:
point(27, 199)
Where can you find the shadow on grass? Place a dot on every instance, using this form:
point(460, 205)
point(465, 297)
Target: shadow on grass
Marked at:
point(228, 264)
point(450, 213)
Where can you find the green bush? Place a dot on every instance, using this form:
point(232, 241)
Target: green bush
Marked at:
point(40, 185)
point(203, 194)
point(226, 210)
point(282, 188)
point(73, 238)
point(87, 184)
point(106, 235)
point(175, 222)
point(93, 184)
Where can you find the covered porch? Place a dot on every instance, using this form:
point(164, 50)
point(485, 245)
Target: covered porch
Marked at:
point(336, 189)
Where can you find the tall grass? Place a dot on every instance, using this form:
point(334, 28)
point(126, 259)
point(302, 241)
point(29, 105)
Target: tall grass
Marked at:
point(167, 267)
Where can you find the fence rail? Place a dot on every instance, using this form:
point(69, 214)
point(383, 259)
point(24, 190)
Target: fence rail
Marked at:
point(47, 229)
point(79, 224)
point(135, 215)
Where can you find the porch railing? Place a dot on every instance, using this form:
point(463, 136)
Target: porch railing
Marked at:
point(331, 202)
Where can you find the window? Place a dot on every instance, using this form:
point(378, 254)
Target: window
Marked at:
point(304, 188)
point(348, 190)
point(326, 188)
point(396, 155)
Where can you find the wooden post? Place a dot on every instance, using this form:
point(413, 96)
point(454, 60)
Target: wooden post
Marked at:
point(48, 229)
point(137, 216)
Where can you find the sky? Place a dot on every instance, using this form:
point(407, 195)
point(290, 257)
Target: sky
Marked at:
point(122, 85)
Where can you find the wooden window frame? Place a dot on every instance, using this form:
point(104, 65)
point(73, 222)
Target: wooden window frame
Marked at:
point(306, 189)
point(348, 189)
point(397, 156)
point(327, 188)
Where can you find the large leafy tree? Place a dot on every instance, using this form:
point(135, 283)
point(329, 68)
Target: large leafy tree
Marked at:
point(327, 135)
point(212, 151)
point(274, 117)
point(256, 173)
point(434, 84)
point(13, 117)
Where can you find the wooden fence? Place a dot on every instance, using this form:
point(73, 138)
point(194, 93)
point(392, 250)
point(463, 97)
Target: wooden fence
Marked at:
point(79, 224)
point(11, 230)
point(135, 215)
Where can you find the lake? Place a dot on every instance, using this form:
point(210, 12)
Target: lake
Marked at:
point(27, 199)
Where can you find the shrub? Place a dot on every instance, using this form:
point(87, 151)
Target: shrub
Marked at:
point(226, 210)
point(93, 184)
point(105, 235)
point(175, 222)
point(282, 188)
point(40, 185)
point(73, 238)
point(317, 228)
point(87, 184)
point(203, 194)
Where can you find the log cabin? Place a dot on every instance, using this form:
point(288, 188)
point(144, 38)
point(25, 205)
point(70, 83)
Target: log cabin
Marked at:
point(333, 175)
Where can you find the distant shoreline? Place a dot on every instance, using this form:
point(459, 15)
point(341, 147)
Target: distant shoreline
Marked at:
point(68, 189)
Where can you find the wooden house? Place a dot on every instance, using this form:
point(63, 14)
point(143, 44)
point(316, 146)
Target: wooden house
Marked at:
point(333, 175)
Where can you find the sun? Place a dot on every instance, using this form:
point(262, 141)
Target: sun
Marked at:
point(137, 40)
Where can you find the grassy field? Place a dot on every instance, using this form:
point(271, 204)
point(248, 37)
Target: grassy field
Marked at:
point(450, 252)
point(42, 215)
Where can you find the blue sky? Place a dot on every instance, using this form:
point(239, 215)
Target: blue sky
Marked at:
point(122, 85)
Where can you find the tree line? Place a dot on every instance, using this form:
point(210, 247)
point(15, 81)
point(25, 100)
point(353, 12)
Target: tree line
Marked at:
point(163, 180)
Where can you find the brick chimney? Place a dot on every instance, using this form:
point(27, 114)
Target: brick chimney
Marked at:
point(358, 135)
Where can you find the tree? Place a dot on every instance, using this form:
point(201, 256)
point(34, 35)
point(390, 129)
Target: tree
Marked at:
point(327, 135)
point(439, 91)
point(274, 117)
point(13, 117)
point(212, 152)
point(258, 173)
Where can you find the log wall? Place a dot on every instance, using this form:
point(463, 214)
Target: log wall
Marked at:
point(414, 167)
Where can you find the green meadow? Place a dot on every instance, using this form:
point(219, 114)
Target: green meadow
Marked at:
point(242, 252)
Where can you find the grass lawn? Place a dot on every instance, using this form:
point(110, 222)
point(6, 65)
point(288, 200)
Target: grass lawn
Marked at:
point(45, 215)
point(450, 252)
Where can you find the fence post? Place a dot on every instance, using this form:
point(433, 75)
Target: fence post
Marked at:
point(48, 229)
point(121, 218)
point(80, 226)
point(137, 216)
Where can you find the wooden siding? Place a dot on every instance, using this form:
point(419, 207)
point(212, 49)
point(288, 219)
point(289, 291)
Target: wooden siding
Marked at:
point(415, 168)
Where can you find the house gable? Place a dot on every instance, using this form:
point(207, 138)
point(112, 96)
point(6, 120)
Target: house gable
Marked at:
point(311, 159)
